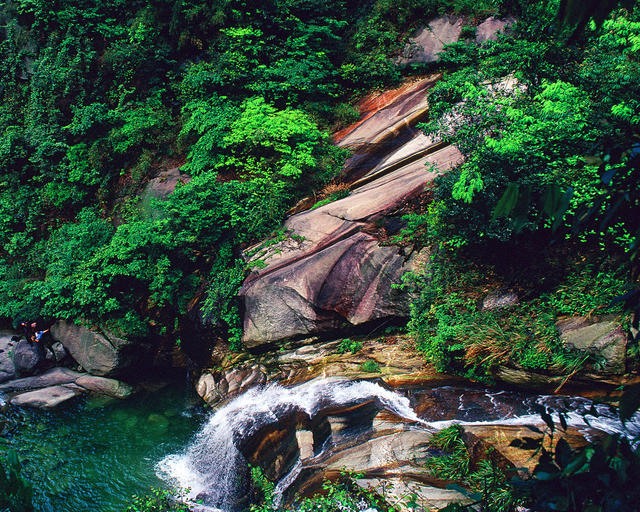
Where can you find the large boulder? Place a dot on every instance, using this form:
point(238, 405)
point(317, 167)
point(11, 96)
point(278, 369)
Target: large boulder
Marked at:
point(7, 368)
point(429, 41)
point(337, 272)
point(29, 358)
point(46, 398)
point(603, 338)
point(100, 353)
point(109, 387)
point(490, 28)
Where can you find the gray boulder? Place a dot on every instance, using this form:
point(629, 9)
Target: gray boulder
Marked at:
point(46, 398)
point(7, 369)
point(110, 387)
point(100, 353)
point(28, 357)
point(428, 42)
point(489, 29)
point(604, 337)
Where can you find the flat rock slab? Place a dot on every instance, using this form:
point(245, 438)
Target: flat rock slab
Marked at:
point(46, 398)
point(428, 42)
point(110, 387)
point(604, 338)
point(53, 377)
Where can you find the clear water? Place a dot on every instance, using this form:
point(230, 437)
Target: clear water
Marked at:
point(95, 454)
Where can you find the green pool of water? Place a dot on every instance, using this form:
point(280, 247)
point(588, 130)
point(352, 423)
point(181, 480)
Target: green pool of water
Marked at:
point(93, 455)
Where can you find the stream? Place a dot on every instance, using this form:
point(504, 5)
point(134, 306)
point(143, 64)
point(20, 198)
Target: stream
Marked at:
point(214, 464)
point(96, 453)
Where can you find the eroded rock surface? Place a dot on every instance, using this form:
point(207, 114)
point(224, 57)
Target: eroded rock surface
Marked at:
point(100, 353)
point(335, 272)
point(604, 338)
point(7, 368)
point(428, 42)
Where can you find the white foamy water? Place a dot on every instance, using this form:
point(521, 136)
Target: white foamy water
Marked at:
point(212, 465)
point(215, 470)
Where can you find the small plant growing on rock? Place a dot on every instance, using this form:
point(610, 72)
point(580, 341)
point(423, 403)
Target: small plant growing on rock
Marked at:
point(370, 367)
point(348, 345)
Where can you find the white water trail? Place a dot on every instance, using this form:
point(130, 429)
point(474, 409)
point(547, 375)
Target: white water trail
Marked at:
point(577, 413)
point(215, 470)
point(212, 465)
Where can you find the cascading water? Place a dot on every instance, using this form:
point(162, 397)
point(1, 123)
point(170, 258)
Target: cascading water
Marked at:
point(212, 463)
point(213, 466)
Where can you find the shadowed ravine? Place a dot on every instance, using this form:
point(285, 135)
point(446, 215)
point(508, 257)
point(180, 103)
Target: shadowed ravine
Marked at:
point(267, 426)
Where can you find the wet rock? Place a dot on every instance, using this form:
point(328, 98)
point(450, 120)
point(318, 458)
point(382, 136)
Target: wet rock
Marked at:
point(59, 352)
point(53, 377)
point(99, 353)
point(304, 438)
point(7, 368)
point(110, 387)
point(29, 358)
point(219, 386)
point(490, 28)
point(604, 338)
point(408, 448)
point(399, 492)
point(499, 300)
point(46, 398)
point(274, 448)
point(164, 184)
point(428, 42)
point(336, 276)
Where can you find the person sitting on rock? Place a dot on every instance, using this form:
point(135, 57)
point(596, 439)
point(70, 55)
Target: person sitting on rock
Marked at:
point(28, 329)
point(38, 335)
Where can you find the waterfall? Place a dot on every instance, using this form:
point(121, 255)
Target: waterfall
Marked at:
point(215, 470)
point(211, 465)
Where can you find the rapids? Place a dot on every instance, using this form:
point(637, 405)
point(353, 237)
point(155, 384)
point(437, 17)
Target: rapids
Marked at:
point(214, 467)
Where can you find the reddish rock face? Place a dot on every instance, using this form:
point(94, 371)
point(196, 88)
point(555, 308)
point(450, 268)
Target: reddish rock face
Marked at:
point(333, 273)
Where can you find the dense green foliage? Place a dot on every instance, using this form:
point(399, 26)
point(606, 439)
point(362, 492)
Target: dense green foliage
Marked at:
point(545, 201)
point(341, 495)
point(98, 98)
point(16, 492)
point(458, 334)
point(158, 500)
point(487, 484)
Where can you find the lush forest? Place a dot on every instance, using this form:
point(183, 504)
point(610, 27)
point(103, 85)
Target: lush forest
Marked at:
point(98, 97)
point(241, 100)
